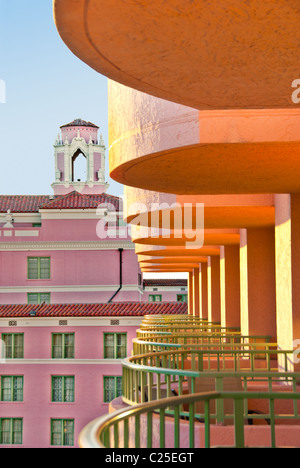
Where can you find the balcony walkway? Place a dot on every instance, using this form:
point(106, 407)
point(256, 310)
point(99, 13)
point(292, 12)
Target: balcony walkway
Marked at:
point(192, 384)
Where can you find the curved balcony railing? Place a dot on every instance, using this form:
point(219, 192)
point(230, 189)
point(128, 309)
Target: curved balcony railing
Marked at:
point(161, 341)
point(181, 377)
point(198, 329)
point(158, 375)
point(162, 423)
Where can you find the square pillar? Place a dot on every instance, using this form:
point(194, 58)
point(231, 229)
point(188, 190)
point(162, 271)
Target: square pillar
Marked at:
point(204, 292)
point(190, 294)
point(230, 285)
point(213, 289)
point(196, 288)
point(257, 282)
point(287, 242)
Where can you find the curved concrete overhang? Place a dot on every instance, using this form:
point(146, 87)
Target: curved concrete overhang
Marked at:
point(203, 54)
point(147, 261)
point(160, 146)
point(151, 251)
point(169, 269)
point(208, 237)
point(217, 168)
point(163, 210)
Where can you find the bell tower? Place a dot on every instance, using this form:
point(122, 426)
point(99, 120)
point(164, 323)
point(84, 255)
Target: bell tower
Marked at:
point(79, 159)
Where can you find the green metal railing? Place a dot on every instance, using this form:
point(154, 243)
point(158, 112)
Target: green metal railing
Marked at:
point(122, 429)
point(182, 355)
point(157, 375)
point(159, 342)
point(185, 328)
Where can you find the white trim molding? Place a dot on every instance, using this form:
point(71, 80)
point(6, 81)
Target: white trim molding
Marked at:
point(68, 288)
point(92, 245)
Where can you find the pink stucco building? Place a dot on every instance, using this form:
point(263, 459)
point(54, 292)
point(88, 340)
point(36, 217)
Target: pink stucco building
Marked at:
point(72, 296)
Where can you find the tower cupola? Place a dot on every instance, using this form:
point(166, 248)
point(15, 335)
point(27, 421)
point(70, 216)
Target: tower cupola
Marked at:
point(79, 159)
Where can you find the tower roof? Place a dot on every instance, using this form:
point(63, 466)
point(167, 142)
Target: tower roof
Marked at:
point(80, 123)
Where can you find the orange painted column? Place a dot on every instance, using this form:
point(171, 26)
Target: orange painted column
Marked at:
point(257, 282)
point(287, 242)
point(196, 287)
point(230, 285)
point(204, 292)
point(213, 289)
point(190, 294)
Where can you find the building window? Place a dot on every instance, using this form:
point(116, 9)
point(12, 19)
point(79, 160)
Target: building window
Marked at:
point(182, 298)
point(115, 345)
point(62, 432)
point(38, 298)
point(14, 345)
point(112, 388)
point(11, 431)
point(38, 267)
point(63, 389)
point(154, 298)
point(63, 345)
point(11, 388)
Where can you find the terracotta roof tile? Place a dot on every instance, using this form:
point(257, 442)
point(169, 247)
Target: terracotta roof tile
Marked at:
point(32, 203)
point(165, 282)
point(125, 309)
point(22, 203)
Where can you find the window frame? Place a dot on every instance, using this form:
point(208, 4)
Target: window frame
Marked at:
point(63, 377)
point(116, 378)
point(63, 433)
point(183, 295)
point(154, 296)
point(12, 388)
point(63, 345)
point(11, 431)
point(115, 345)
point(13, 345)
point(39, 268)
point(39, 301)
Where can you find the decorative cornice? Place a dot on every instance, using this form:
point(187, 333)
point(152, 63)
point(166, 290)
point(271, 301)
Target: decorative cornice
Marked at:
point(108, 245)
point(69, 288)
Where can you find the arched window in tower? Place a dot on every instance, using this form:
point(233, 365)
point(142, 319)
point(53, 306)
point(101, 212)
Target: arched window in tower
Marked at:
point(79, 166)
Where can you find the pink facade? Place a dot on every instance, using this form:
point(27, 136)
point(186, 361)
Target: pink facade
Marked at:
point(61, 254)
point(88, 368)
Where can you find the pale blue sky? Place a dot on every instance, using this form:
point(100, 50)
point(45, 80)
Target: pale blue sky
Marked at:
point(46, 87)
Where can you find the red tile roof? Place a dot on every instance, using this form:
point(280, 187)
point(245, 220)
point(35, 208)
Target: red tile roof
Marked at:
point(125, 309)
point(76, 200)
point(32, 203)
point(22, 203)
point(165, 282)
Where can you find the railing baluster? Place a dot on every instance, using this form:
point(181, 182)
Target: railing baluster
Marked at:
point(126, 433)
point(239, 422)
point(207, 423)
point(176, 427)
point(272, 422)
point(137, 431)
point(116, 435)
point(162, 433)
point(149, 430)
point(191, 425)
